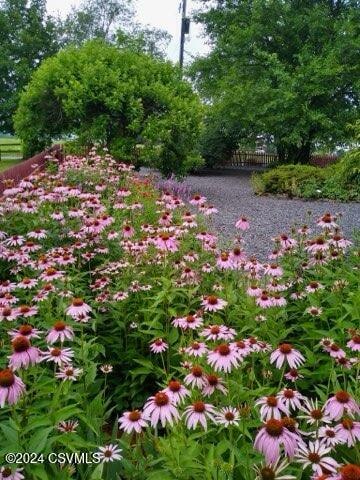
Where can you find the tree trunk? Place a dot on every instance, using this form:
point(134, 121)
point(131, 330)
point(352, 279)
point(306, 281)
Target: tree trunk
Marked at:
point(294, 153)
point(300, 154)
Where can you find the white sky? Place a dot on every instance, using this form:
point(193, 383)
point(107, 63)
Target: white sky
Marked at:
point(162, 14)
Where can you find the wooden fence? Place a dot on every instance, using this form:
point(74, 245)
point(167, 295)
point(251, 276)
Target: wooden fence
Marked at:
point(245, 159)
point(260, 159)
point(14, 175)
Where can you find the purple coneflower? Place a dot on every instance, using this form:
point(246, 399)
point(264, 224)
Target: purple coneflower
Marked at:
point(199, 412)
point(212, 303)
point(7, 473)
point(58, 355)
point(291, 398)
point(328, 436)
point(272, 471)
point(25, 330)
point(214, 332)
point(68, 426)
point(286, 242)
point(196, 349)
point(285, 352)
point(23, 353)
point(109, 453)
point(224, 357)
point(315, 456)
point(224, 261)
point(11, 387)
point(314, 311)
point(271, 437)
point(160, 408)
point(264, 300)
point(166, 242)
point(190, 322)
point(132, 421)
point(176, 392)
point(271, 407)
point(60, 332)
point(197, 200)
point(274, 270)
point(313, 413)
point(158, 346)
point(354, 343)
point(254, 291)
point(77, 308)
point(120, 296)
point(196, 377)
point(348, 431)
point(340, 404)
point(242, 224)
point(128, 231)
point(335, 351)
point(27, 283)
point(51, 274)
point(106, 368)
point(314, 287)
point(228, 416)
point(26, 311)
point(278, 300)
point(213, 383)
point(68, 372)
point(327, 221)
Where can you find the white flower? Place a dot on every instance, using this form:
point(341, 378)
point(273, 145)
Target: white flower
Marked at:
point(109, 453)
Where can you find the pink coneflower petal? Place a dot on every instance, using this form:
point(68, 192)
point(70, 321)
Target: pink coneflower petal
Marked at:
point(198, 413)
point(286, 353)
point(132, 422)
point(23, 354)
point(11, 387)
point(160, 408)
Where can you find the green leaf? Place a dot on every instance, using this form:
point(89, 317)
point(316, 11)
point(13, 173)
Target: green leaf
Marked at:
point(39, 440)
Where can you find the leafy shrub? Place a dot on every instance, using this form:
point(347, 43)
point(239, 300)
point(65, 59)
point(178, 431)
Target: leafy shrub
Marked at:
point(116, 98)
point(348, 169)
point(339, 181)
point(287, 179)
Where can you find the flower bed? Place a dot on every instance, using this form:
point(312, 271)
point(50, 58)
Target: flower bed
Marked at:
point(132, 341)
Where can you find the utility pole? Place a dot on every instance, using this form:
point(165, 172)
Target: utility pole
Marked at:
point(185, 30)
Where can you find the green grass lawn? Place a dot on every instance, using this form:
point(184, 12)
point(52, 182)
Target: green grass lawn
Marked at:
point(6, 140)
point(5, 164)
point(10, 152)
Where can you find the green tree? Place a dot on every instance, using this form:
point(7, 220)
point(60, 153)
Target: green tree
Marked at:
point(95, 19)
point(117, 98)
point(139, 39)
point(27, 36)
point(289, 69)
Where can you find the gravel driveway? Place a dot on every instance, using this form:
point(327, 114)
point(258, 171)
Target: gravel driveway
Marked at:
point(232, 195)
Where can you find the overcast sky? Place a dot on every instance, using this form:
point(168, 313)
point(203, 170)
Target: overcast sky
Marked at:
point(162, 14)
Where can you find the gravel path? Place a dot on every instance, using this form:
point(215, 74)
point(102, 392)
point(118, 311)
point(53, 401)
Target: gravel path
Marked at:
point(232, 195)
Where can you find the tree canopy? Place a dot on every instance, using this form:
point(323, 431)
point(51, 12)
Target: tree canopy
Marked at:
point(116, 97)
point(95, 19)
point(27, 36)
point(289, 69)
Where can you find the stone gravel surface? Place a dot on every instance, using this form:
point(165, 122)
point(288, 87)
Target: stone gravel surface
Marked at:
point(232, 195)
